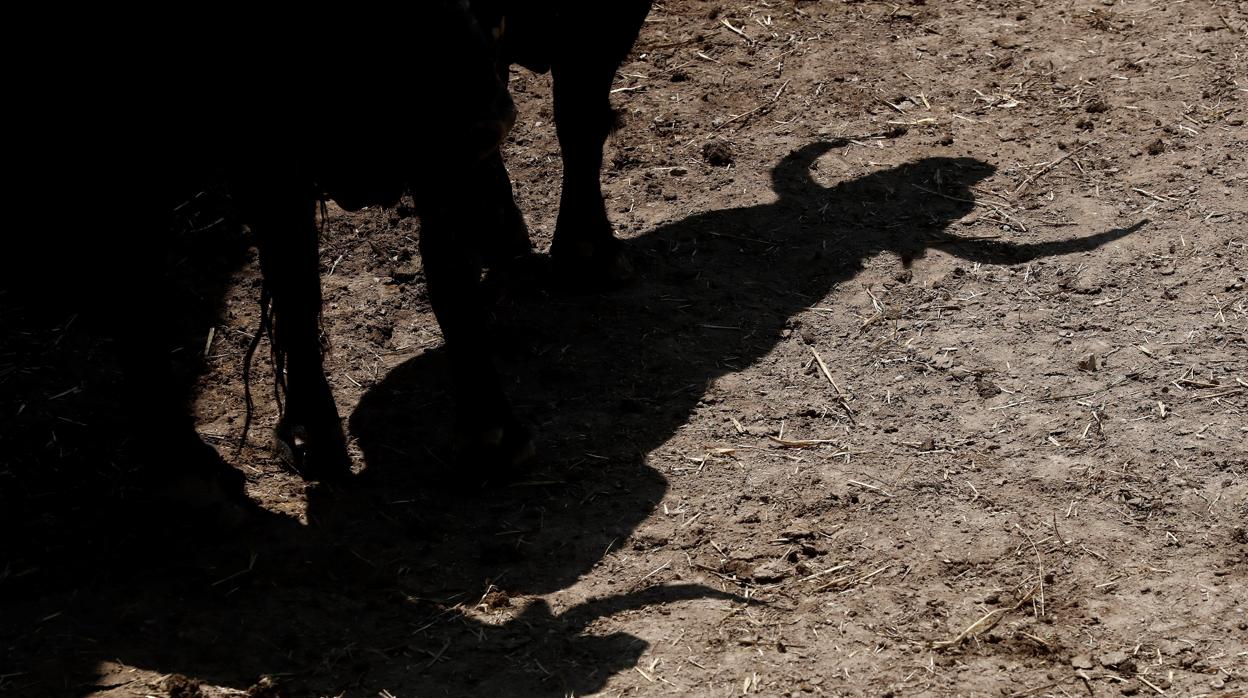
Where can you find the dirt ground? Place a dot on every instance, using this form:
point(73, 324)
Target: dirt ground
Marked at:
point(933, 381)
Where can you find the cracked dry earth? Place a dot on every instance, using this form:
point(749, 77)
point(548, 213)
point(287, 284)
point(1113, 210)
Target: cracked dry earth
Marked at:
point(933, 381)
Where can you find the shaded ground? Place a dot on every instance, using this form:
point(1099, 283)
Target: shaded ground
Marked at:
point(1015, 236)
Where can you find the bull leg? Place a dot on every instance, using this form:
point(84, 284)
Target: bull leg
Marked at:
point(584, 250)
point(309, 434)
point(487, 434)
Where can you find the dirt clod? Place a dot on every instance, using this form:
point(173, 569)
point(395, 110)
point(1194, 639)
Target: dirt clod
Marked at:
point(179, 686)
point(718, 153)
point(266, 687)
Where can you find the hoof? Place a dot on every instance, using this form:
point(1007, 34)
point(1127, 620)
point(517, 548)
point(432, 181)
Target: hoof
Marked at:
point(523, 276)
point(322, 457)
point(588, 266)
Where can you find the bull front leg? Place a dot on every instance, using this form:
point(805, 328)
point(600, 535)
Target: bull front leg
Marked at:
point(487, 435)
point(309, 432)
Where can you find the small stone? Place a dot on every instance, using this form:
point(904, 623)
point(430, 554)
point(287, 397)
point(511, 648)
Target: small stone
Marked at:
point(751, 518)
point(797, 531)
point(650, 539)
point(986, 388)
point(1130, 688)
point(406, 273)
point(1081, 661)
point(1088, 363)
point(737, 568)
point(1157, 147)
point(1112, 660)
point(769, 572)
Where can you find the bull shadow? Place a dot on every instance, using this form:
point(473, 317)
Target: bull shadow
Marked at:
point(607, 380)
point(408, 582)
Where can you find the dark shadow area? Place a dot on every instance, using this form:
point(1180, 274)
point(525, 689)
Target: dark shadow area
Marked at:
point(395, 583)
point(73, 306)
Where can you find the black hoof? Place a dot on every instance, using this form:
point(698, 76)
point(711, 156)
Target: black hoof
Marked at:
point(589, 266)
point(523, 276)
point(314, 454)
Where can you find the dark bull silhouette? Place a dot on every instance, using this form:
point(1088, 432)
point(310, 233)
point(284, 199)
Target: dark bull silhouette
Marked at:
point(361, 111)
point(458, 233)
point(364, 601)
point(410, 103)
point(582, 46)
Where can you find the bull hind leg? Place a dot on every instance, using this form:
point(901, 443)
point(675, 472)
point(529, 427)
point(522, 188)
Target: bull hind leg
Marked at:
point(487, 435)
point(585, 251)
point(309, 434)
